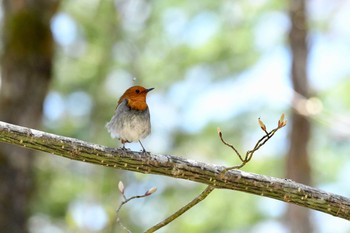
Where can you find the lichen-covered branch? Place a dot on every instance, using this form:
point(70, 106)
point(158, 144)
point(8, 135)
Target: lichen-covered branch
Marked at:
point(177, 167)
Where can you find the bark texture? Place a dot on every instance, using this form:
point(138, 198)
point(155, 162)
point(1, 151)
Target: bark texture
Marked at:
point(280, 189)
point(298, 165)
point(26, 66)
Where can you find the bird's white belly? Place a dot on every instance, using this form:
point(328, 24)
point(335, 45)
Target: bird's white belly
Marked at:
point(129, 125)
point(133, 130)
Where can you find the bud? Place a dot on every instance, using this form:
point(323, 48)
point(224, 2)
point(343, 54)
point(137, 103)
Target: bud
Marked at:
point(282, 122)
point(218, 130)
point(150, 191)
point(282, 117)
point(262, 125)
point(121, 187)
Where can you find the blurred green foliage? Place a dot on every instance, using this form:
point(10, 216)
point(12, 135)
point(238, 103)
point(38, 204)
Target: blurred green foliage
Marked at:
point(167, 45)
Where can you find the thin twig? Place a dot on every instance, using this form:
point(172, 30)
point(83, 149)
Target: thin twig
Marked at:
point(260, 143)
point(231, 146)
point(185, 208)
point(126, 200)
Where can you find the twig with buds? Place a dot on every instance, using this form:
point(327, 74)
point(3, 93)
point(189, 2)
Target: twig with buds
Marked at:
point(121, 188)
point(209, 189)
point(248, 156)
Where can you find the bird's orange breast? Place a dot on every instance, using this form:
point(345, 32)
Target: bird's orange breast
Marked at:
point(139, 105)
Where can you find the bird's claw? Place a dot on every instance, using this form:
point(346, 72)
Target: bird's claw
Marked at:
point(124, 148)
point(144, 152)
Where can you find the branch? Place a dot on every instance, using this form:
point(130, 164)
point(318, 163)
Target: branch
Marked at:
point(182, 210)
point(126, 200)
point(280, 189)
point(249, 155)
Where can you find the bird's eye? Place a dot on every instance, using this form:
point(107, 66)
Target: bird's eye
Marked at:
point(137, 91)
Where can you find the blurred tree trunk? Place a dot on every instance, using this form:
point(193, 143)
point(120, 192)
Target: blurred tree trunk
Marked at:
point(298, 166)
point(26, 67)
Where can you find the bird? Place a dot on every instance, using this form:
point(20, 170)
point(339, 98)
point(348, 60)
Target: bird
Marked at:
point(131, 119)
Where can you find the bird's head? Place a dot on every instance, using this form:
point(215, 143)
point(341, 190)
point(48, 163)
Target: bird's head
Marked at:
point(136, 97)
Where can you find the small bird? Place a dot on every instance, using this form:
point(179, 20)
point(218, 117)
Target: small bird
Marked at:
point(131, 119)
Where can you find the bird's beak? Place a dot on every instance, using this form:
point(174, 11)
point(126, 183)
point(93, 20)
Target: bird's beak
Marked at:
point(149, 89)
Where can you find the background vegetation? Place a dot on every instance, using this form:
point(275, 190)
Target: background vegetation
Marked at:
point(212, 63)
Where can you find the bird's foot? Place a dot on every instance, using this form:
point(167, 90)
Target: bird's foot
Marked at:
point(144, 152)
point(124, 148)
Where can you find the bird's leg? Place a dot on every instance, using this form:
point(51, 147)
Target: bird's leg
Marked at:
point(143, 149)
point(123, 143)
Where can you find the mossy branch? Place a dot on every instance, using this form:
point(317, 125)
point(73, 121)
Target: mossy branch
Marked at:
point(280, 189)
